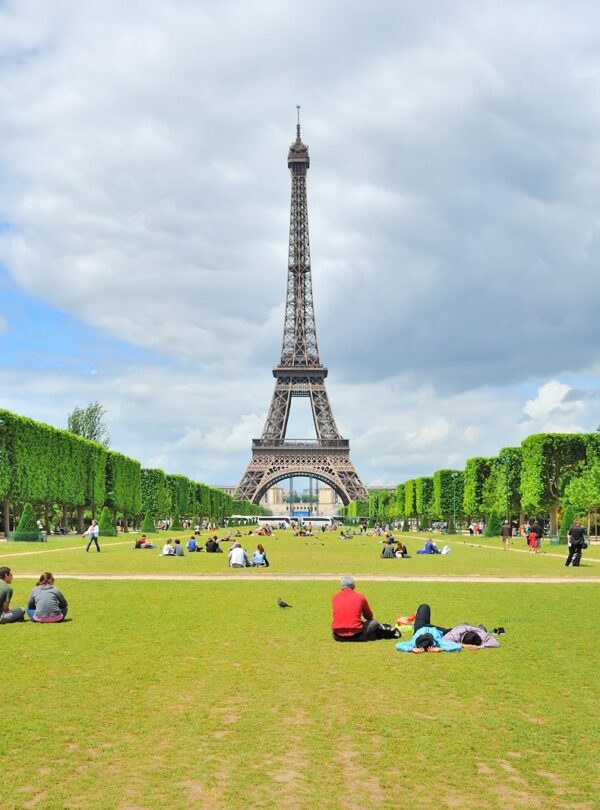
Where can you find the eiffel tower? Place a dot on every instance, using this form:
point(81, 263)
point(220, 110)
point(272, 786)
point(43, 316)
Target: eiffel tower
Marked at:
point(300, 374)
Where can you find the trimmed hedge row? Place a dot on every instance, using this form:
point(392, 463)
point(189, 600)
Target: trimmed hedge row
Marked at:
point(547, 473)
point(47, 466)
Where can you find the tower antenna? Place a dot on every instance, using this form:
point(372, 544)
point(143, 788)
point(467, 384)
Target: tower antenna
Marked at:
point(298, 123)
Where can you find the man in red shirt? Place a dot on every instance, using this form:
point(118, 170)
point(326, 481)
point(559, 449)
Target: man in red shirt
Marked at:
point(349, 610)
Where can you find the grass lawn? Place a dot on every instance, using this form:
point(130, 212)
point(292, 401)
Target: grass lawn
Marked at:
point(206, 694)
point(324, 553)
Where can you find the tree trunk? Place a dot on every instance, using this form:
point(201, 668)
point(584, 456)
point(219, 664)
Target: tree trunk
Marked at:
point(80, 526)
point(6, 517)
point(589, 528)
point(125, 528)
point(65, 517)
point(46, 519)
point(554, 521)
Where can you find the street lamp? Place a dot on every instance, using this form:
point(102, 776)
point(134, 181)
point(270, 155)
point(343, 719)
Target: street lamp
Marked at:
point(505, 462)
point(454, 476)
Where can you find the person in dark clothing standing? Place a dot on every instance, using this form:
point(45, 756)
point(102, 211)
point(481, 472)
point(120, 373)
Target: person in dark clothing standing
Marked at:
point(576, 544)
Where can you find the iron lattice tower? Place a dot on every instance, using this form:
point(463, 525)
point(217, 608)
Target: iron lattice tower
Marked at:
point(300, 374)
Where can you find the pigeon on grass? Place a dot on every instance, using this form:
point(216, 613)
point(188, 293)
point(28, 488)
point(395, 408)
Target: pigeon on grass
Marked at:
point(282, 604)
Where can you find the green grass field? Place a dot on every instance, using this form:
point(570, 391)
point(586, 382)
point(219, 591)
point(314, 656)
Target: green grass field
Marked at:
point(205, 694)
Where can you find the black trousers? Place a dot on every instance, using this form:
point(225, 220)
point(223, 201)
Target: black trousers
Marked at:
point(574, 556)
point(369, 633)
point(93, 540)
point(423, 619)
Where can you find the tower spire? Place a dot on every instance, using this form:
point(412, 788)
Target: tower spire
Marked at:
point(298, 124)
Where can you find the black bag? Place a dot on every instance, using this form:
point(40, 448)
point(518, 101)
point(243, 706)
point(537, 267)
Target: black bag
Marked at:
point(387, 631)
point(584, 544)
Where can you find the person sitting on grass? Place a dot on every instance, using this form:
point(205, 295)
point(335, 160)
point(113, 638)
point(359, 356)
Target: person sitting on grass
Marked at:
point(8, 615)
point(143, 543)
point(212, 546)
point(429, 548)
point(353, 618)
point(259, 558)
point(168, 550)
point(238, 557)
point(388, 552)
point(401, 550)
point(178, 548)
point(191, 544)
point(46, 602)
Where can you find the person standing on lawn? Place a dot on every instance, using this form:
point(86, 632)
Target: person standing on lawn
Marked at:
point(576, 544)
point(92, 532)
point(506, 535)
point(8, 615)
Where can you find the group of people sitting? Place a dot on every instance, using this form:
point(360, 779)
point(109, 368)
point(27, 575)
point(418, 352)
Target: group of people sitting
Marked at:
point(172, 548)
point(46, 603)
point(238, 557)
point(391, 551)
point(353, 621)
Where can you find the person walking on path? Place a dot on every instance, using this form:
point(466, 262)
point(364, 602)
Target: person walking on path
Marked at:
point(8, 615)
point(92, 532)
point(576, 544)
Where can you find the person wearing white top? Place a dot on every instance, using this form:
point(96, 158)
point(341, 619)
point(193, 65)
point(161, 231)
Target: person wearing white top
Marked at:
point(237, 556)
point(168, 550)
point(93, 533)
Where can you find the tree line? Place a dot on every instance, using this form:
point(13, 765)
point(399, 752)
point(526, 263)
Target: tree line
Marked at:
point(548, 474)
point(61, 473)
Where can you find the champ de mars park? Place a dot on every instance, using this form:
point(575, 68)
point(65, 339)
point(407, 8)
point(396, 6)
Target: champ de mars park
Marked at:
point(169, 642)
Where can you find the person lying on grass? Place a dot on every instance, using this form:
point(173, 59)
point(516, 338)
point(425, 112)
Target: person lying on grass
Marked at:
point(428, 637)
point(46, 602)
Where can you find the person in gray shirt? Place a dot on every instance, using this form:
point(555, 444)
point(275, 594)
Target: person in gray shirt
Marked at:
point(46, 602)
point(8, 615)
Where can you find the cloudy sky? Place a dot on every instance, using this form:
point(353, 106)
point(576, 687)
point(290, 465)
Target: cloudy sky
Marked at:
point(453, 199)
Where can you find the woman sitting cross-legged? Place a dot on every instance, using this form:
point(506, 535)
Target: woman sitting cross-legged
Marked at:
point(46, 602)
point(259, 558)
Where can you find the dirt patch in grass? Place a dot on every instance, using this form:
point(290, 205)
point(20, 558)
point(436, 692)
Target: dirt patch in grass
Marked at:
point(360, 781)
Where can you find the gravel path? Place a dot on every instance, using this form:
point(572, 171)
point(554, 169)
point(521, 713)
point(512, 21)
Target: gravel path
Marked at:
point(260, 576)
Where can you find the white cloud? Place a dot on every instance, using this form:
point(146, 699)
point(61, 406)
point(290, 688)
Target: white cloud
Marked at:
point(452, 198)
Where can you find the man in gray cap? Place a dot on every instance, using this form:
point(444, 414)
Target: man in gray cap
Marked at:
point(352, 617)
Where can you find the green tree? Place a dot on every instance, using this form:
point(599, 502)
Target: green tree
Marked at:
point(105, 524)
point(27, 528)
point(550, 461)
point(155, 497)
point(89, 423)
point(569, 516)
point(448, 494)
point(493, 526)
point(424, 499)
point(477, 471)
point(410, 499)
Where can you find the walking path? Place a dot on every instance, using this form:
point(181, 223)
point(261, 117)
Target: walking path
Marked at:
point(260, 576)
